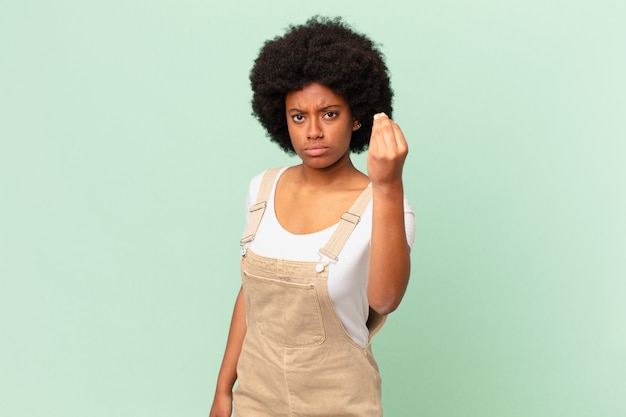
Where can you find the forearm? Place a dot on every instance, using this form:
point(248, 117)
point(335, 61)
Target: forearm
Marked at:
point(228, 371)
point(389, 266)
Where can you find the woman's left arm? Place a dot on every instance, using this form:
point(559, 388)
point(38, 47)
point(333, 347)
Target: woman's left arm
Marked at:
point(389, 257)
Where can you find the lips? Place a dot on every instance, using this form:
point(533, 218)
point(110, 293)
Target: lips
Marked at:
point(315, 150)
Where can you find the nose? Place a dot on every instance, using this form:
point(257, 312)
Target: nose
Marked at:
point(314, 130)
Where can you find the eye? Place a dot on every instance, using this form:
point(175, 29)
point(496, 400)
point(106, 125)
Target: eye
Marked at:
point(297, 118)
point(330, 115)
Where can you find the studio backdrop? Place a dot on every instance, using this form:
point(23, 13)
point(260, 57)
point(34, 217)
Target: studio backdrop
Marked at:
point(127, 144)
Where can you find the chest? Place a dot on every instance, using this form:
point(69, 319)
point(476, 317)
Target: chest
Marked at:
point(304, 213)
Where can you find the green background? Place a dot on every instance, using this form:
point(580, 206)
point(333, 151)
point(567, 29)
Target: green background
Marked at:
point(126, 147)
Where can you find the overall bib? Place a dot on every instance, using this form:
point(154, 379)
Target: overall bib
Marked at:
point(297, 359)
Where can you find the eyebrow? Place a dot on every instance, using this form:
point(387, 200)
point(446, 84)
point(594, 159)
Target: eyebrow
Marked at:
point(323, 109)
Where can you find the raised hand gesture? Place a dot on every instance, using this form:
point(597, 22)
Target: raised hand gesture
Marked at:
point(387, 152)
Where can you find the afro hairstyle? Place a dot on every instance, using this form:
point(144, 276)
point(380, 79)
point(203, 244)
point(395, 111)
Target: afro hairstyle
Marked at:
point(329, 52)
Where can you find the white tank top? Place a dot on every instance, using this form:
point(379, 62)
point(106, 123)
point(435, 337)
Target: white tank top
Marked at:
point(347, 277)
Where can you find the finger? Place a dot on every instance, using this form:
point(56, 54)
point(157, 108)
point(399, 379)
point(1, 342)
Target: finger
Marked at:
point(383, 131)
point(401, 142)
point(391, 132)
point(375, 136)
point(381, 124)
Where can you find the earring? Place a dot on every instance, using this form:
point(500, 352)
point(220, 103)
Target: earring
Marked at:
point(358, 126)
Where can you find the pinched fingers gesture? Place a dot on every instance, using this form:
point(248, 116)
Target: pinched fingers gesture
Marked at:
point(387, 151)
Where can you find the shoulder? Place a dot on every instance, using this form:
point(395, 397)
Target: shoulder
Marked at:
point(255, 183)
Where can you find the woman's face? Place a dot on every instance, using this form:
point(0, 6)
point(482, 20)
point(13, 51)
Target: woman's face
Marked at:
point(320, 125)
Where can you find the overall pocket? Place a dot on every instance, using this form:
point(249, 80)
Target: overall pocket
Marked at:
point(286, 313)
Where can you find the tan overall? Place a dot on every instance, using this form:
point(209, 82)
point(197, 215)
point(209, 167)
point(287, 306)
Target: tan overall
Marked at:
point(297, 359)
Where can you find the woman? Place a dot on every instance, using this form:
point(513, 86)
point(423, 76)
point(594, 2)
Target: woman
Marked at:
point(325, 255)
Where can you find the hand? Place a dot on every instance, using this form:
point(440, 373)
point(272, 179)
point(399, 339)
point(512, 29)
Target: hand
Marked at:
point(222, 405)
point(387, 151)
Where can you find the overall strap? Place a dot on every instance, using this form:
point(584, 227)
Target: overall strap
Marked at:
point(348, 222)
point(258, 209)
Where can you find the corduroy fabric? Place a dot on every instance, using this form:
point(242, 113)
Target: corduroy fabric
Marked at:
point(297, 359)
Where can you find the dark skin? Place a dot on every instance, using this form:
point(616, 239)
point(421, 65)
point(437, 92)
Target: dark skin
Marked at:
point(318, 207)
point(311, 197)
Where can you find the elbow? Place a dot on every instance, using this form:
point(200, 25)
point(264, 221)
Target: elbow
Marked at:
point(385, 291)
point(385, 307)
point(387, 299)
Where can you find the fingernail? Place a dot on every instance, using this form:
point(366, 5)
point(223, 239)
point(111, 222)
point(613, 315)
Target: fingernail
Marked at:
point(379, 115)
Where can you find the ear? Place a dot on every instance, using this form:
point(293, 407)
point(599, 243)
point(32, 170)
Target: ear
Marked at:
point(356, 125)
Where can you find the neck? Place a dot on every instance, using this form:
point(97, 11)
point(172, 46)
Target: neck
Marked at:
point(340, 172)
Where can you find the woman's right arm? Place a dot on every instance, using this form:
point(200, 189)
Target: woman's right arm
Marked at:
point(223, 400)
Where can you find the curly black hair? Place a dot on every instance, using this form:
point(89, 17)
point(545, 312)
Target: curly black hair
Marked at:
point(329, 52)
